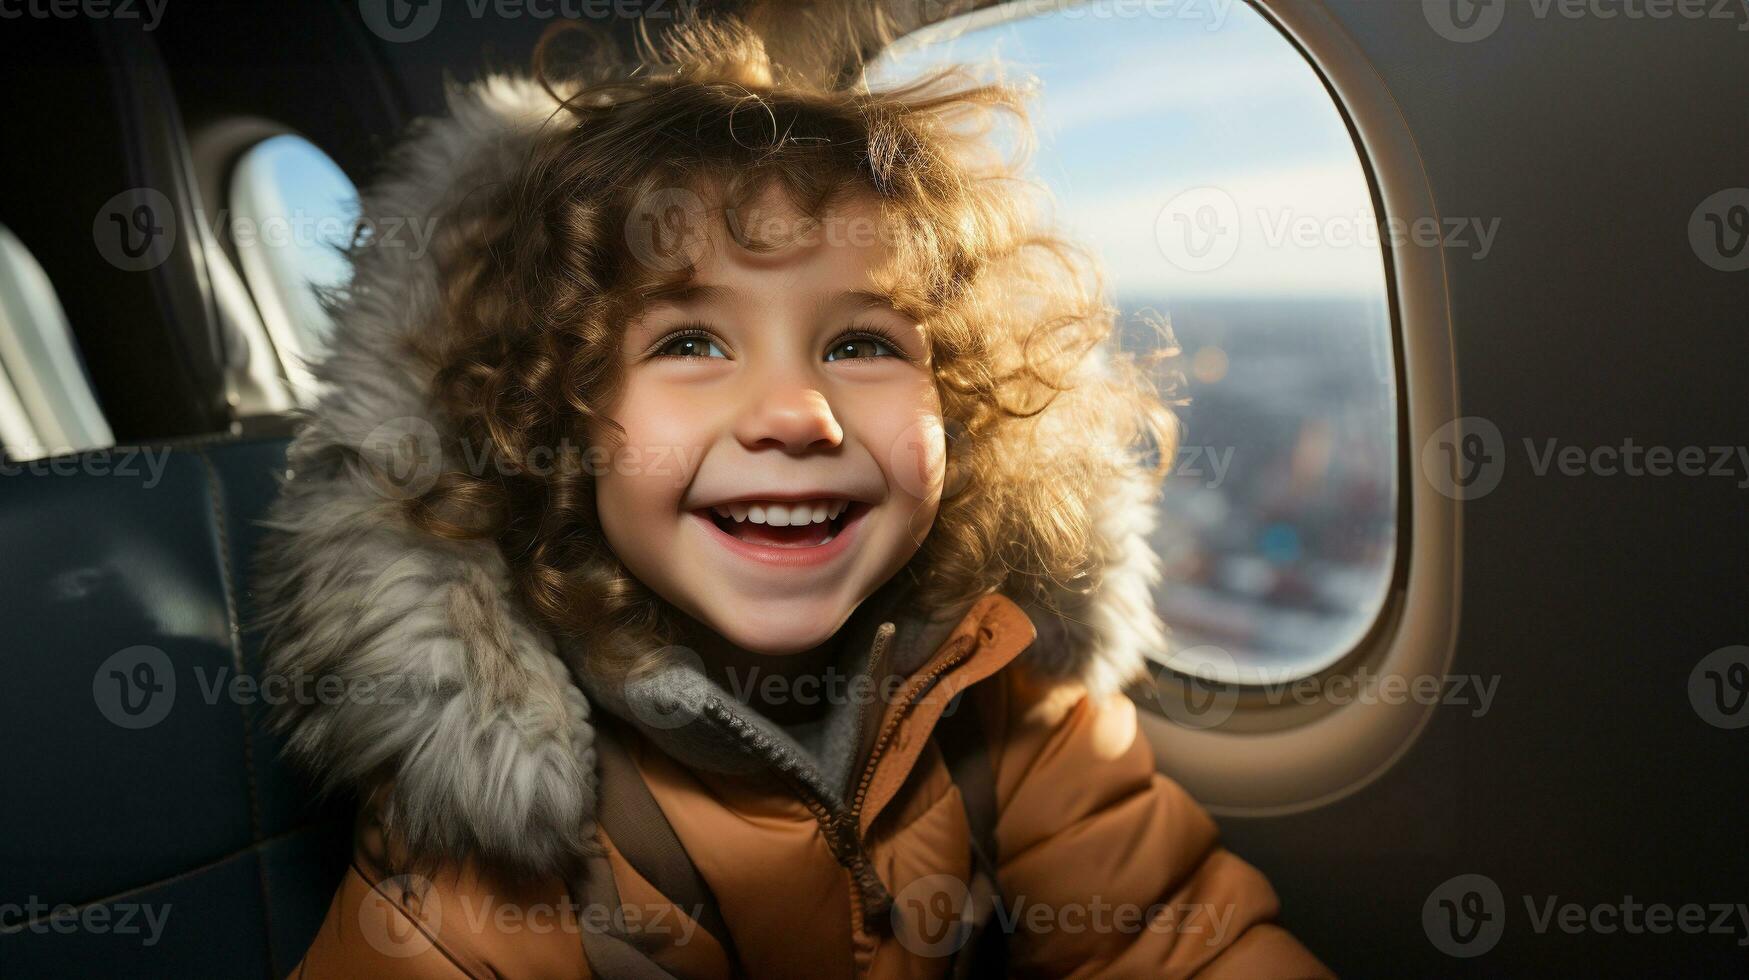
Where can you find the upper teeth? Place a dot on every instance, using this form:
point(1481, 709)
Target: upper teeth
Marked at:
point(784, 515)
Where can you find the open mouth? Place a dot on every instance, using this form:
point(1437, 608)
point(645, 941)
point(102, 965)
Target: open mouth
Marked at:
point(799, 526)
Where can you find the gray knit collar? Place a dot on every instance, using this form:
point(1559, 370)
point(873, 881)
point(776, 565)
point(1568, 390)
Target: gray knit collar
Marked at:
point(697, 719)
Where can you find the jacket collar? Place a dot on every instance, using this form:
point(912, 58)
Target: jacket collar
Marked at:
point(476, 724)
point(691, 716)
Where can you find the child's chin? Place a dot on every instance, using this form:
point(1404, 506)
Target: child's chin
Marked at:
point(786, 646)
point(780, 629)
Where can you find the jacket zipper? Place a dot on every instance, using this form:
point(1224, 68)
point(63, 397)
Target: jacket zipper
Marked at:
point(920, 685)
point(869, 897)
point(852, 818)
point(877, 658)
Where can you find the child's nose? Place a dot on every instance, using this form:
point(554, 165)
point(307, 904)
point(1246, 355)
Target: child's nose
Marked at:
point(792, 417)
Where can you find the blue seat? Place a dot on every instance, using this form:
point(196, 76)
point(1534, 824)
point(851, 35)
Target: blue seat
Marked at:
point(142, 789)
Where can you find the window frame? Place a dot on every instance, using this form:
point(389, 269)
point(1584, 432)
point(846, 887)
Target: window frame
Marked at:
point(1269, 759)
point(240, 138)
point(1264, 758)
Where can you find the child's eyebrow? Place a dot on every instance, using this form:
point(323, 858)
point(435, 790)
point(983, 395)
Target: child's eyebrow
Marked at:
point(857, 300)
point(687, 292)
point(849, 301)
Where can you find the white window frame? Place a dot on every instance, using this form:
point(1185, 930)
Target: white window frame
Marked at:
point(1269, 756)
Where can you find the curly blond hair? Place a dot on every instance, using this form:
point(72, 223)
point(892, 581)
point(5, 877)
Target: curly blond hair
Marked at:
point(538, 280)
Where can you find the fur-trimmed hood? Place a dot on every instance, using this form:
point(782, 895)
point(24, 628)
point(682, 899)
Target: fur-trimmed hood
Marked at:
point(460, 714)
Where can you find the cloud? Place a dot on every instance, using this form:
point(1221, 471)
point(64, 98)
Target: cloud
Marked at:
point(1298, 233)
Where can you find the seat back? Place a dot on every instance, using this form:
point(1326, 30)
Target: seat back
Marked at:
point(150, 827)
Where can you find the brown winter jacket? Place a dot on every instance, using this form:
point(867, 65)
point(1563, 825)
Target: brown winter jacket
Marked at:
point(1106, 867)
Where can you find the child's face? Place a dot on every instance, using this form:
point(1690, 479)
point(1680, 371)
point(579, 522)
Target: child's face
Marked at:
point(782, 395)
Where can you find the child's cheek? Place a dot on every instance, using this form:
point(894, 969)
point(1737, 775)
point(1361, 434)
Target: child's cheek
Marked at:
point(646, 470)
point(665, 436)
point(916, 463)
point(920, 458)
point(906, 422)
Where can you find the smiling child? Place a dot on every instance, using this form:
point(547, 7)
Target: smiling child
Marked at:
point(732, 542)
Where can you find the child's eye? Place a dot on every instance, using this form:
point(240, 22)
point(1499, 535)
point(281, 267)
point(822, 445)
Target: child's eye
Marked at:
point(696, 344)
point(862, 345)
point(693, 344)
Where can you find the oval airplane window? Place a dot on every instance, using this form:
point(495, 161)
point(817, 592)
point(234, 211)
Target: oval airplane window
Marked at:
point(294, 211)
point(1202, 158)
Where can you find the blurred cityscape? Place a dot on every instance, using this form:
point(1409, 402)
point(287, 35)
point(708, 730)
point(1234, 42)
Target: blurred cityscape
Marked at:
point(1278, 526)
